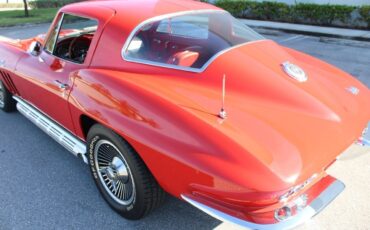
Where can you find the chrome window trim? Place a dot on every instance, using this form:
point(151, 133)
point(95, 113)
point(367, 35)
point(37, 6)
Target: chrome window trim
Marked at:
point(60, 26)
point(169, 66)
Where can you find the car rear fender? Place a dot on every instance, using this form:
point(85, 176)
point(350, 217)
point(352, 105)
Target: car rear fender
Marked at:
point(180, 149)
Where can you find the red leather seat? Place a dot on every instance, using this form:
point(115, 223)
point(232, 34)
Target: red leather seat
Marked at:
point(184, 58)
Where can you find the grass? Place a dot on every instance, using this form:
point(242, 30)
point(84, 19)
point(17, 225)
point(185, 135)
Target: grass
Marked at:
point(16, 17)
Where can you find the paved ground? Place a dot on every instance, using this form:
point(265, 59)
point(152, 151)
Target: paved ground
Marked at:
point(42, 186)
point(361, 35)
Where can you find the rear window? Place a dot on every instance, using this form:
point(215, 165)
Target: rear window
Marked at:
point(188, 41)
point(186, 26)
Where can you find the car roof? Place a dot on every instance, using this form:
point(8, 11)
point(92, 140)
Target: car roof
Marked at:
point(134, 12)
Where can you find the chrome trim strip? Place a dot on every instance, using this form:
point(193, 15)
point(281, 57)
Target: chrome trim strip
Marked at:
point(59, 134)
point(364, 140)
point(317, 205)
point(156, 64)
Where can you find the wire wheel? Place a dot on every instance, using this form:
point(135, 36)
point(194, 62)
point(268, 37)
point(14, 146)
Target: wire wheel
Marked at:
point(2, 95)
point(114, 172)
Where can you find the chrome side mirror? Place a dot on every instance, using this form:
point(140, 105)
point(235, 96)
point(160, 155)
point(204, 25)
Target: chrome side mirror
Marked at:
point(35, 48)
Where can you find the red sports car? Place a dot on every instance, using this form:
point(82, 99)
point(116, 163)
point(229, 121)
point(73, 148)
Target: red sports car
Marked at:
point(180, 97)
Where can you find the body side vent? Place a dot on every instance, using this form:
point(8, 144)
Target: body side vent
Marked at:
point(9, 82)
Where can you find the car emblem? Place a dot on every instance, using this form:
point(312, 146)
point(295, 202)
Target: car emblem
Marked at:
point(353, 90)
point(297, 188)
point(295, 72)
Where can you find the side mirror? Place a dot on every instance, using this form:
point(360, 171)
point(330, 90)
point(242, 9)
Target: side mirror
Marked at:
point(35, 48)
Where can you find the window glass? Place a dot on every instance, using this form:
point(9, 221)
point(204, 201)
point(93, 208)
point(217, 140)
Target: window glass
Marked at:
point(185, 26)
point(73, 39)
point(49, 46)
point(187, 41)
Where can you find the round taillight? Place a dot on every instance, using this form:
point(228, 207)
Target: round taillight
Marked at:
point(283, 213)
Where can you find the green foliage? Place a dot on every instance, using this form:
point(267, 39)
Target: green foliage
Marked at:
point(38, 4)
point(299, 13)
point(322, 14)
point(270, 11)
point(16, 17)
point(365, 13)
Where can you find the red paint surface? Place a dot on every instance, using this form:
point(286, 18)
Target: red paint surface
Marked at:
point(278, 133)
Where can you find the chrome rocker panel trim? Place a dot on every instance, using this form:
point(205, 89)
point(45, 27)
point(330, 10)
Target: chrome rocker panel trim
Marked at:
point(317, 205)
point(59, 134)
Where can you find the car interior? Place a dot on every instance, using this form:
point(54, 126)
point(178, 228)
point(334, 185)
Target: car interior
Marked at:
point(71, 38)
point(150, 44)
point(74, 48)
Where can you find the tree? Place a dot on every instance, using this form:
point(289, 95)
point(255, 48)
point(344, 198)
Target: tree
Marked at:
point(26, 13)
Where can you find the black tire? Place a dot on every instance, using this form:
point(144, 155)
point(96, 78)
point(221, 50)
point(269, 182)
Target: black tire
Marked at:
point(7, 103)
point(147, 193)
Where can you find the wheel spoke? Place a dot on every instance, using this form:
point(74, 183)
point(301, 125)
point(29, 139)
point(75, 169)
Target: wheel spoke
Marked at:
point(107, 155)
point(103, 170)
point(104, 159)
point(121, 191)
point(114, 187)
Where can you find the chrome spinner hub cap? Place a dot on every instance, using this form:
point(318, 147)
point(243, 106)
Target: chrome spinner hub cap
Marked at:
point(117, 170)
point(114, 173)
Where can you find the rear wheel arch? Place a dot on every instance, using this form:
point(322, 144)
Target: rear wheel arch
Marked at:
point(86, 123)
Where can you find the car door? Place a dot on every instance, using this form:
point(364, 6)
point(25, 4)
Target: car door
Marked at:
point(48, 74)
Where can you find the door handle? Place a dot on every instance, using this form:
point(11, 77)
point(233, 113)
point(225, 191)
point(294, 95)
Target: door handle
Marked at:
point(41, 60)
point(61, 85)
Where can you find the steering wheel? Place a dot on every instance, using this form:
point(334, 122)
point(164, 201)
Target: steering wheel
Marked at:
point(75, 51)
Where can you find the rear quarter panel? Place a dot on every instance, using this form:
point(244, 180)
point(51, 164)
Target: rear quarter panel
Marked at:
point(151, 125)
point(183, 152)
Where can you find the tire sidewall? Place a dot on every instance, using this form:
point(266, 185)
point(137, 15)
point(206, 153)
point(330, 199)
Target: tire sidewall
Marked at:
point(2, 107)
point(9, 102)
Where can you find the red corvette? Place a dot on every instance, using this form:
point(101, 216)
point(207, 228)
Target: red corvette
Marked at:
point(180, 97)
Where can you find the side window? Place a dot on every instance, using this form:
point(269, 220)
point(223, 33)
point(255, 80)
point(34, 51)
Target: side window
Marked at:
point(71, 38)
point(49, 46)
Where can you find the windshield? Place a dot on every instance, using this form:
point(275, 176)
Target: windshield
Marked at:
point(188, 41)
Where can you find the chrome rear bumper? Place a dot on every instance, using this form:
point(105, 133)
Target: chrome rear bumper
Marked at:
point(364, 140)
point(317, 205)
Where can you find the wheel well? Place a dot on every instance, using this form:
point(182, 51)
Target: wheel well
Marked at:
point(86, 124)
